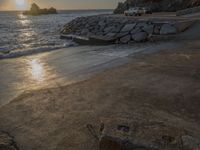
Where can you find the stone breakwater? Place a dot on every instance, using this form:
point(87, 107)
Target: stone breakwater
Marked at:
point(113, 29)
point(188, 11)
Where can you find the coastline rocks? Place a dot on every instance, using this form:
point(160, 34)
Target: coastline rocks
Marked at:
point(140, 36)
point(156, 30)
point(35, 10)
point(125, 39)
point(112, 29)
point(128, 27)
point(148, 29)
point(167, 29)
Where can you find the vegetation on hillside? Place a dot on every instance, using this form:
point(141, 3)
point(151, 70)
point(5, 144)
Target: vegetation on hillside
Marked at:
point(157, 5)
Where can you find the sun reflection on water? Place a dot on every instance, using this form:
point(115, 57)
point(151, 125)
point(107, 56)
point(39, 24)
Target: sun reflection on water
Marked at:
point(26, 36)
point(23, 19)
point(37, 70)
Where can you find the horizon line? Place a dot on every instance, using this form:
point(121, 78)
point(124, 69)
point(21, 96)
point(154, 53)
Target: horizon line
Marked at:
point(63, 9)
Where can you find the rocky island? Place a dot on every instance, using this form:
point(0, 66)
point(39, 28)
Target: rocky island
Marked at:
point(35, 10)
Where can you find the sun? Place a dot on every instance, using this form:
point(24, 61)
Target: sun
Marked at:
point(20, 3)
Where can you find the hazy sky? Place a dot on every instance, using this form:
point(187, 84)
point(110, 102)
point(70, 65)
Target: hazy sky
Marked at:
point(59, 4)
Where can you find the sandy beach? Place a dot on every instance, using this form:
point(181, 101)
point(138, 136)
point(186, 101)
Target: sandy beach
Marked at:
point(157, 93)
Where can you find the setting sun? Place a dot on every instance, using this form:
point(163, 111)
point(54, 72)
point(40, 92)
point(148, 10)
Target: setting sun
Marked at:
point(20, 2)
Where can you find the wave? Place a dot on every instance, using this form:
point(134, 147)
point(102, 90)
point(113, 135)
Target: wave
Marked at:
point(27, 52)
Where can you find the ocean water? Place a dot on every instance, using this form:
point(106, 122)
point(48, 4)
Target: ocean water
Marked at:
point(22, 35)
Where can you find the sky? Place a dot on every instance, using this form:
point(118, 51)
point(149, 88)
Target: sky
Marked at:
point(59, 4)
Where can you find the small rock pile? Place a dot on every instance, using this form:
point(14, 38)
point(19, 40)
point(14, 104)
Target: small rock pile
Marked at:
point(119, 29)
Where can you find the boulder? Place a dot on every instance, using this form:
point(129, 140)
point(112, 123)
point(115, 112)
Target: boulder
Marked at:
point(108, 29)
point(140, 37)
point(94, 40)
point(122, 34)
point(111, 35)
point(117, 29)
point(125, 39)
point(7, 142)
point(148, 29)
point(102, 23)
point(136, 30)
point(114, 143)
point(84, 32)
point(190, 143)
point(128, 27)
point(183, 25)
point(142, 24)
point(156, 29)
point(168, 29)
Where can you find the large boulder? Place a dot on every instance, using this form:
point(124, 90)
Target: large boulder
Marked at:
point(148, 29)
point(128, 27)
point(183, 25)
point(168, 29)
point(190, 142)
point(108, 29)
point(140, 36)
point(125, 134)
point(125, 39)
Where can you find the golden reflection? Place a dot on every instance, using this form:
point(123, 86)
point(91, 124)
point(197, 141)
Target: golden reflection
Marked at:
point(26, 34)
point(23, 19)
point(37, 70)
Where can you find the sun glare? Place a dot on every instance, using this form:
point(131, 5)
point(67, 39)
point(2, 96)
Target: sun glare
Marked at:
point(20, 3)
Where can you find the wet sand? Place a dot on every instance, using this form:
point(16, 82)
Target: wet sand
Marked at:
point(65, 66)
point(158, 92)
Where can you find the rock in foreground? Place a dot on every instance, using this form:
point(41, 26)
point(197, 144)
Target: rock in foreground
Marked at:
point(122, 134)
point(35, 10)
point(7, 142)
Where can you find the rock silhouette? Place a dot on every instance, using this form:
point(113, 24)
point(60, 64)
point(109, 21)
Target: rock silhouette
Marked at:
point(35, 10)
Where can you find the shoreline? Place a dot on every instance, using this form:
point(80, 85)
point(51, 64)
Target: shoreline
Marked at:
point(57, 67)
point(143, 92)
point(155, 96)
point(144, 28)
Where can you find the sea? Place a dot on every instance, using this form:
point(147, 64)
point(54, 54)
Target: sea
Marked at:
point(23, 35)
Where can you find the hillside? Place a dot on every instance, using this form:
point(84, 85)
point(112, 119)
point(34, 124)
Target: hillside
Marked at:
point(158, 5)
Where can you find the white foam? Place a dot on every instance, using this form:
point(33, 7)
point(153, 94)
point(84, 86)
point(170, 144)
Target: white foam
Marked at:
point(26, 52)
